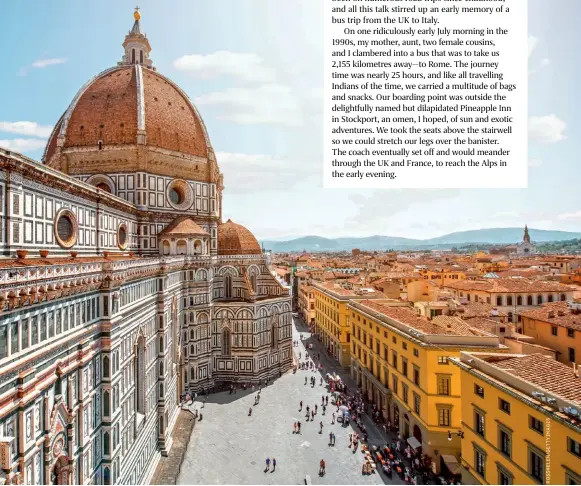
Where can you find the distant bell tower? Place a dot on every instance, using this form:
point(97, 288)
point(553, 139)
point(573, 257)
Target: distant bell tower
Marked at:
point(136, 45)
point(526, 238)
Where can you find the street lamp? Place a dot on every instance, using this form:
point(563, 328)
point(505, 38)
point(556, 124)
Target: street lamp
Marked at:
point(459, 434)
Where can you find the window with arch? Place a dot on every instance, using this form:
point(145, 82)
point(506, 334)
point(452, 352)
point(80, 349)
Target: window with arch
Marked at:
point(141, 57)
point(106, 444)
point(139, 378)
point(226, 342)
point(106, 476)
point(274, 334)
point(563, 297)
point(182, 247)
point(519, 300)
point(253, 282)
point(133, 56)
point(228, 286)
point(539, 299)
point(106, 404)
point(530, 300)
point(165, 247)
point(499, 300)
point(509, 300)
point(106, 367)
point(197, 247)
point(550, 298)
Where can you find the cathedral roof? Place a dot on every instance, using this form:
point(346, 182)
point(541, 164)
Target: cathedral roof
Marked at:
point(235, 239)
point(121, 102)
point(129, 105)
point(183, 226)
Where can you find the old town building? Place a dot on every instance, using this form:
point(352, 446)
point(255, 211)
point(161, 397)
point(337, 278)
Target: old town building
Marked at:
point(401, 362)
point(121, 289)
point(521, 419)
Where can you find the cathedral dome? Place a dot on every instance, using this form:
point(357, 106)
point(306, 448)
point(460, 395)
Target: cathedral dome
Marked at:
point(127, 108)
point(235, 239)
point(125, 102)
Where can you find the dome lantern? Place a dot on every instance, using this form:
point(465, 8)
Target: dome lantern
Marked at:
point(136, 45)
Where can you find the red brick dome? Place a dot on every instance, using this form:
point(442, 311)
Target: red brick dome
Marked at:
point(235, 239)
point(123, 103)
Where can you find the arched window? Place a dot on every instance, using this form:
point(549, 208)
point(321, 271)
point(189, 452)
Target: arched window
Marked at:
point(165, 246)
point(161, 390)
point(197, 247)
point(228, 286)
point(139, 372)
point(550, 297)
point(510, 317)
point(106, 476)
point(509, 300)
point(253, 282)
point(274, 333)
point(161, 369)
point(226, 344)
point(106, 367)
point(563, 297)
point(499, 300)
point(132, 56)
point(519, 300)
point(141, 57)
point(106, 404)
point(182, 247)
point(530, 300)
point(106, 445)
point(539, 299)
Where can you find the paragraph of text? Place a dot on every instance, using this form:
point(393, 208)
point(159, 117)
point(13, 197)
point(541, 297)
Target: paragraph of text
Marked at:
point(425, 94)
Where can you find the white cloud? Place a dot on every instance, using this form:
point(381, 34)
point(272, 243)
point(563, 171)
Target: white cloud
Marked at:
point(575, 216)
point(273, 104)
point(42, 63)
point(546, 129)
point(244, 66)
point(32, 129)
point(23, 144)
point(248, 173)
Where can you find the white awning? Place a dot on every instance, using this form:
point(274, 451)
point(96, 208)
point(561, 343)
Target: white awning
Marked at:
point(414, 443)
point(452, 464)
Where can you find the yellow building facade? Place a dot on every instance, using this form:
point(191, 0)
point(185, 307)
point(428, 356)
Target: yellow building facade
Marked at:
point(518, 423)
point(331, 317)
point(401, 362)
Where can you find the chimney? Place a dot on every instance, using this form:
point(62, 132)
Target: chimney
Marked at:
point(551, 314)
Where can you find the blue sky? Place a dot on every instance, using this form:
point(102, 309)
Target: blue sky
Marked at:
point(254, 68)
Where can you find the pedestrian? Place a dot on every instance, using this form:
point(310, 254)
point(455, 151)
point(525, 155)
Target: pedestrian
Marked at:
point(350, 439)
point(299, 426)
point(305, 380)
point(322, 467)
point(316, 408)
point(267, 464)
point(330, 438)
point(313, 414)
point(322, 400)
point(301, 406)
point(321, 425)
point(327, 400)
point(295, 428)
point(334, 437)
point(307, 409)
point(333, 421)
point(250, 411)
point(324, 408)
point(321, 381)
point(273, 464)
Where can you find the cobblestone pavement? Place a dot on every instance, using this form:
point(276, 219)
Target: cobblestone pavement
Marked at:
point(169, 467)
point(230, 447)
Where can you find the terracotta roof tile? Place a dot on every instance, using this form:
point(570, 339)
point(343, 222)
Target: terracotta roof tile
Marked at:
point(183, 226)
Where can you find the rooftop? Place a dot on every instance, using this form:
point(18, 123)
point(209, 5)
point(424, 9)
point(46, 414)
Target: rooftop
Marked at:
point(533, 373)
point(557, 314)
point(508, 285)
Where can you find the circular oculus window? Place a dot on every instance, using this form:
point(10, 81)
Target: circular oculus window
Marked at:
point(122, 239)
point(66, 228)
point(180, 194)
